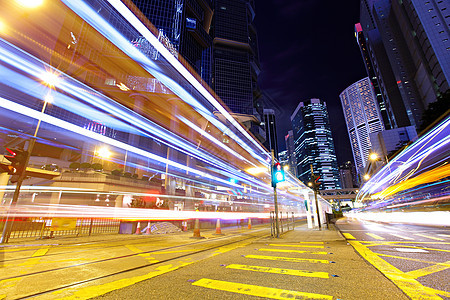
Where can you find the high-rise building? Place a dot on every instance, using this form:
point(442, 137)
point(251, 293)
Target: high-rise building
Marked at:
point(362, 118)
point(236, 56)
point(372, 75)
point(185, 24)
point(387, 142)
point(283, 158)
point(407, 43)
point(290, 148)
point(271, 131)
point(314, 143)
point(348, 175)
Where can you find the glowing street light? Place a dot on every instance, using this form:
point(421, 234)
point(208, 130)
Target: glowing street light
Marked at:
point(30, 3)
point(366, 177)
point(104, 153)
point(373, 156)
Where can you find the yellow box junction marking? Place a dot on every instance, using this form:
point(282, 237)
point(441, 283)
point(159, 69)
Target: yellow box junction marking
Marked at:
point(375, 236)
point(297, 246)
point(279, 271)
point(402, 237)
point(258, 291)
point(428, 270)
point(429, 237)
point(414, 259)
point(410, 286)
point(291, 251)
point(348, 236)
point(291, 259)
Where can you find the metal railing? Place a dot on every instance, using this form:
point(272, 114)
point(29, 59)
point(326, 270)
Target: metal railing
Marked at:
point(42, 228)
point(286, 222)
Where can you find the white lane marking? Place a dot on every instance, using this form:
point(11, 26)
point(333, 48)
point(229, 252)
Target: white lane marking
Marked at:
point(402, 237)
point(411, 250)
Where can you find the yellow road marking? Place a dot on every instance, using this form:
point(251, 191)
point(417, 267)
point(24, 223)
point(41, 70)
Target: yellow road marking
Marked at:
point(401, 236)
point(254, 290)
point(410, 286)
point(147, 256)
point(40, 252)
point(429, 237)
point(413, 259)
point(297, 246)
point(428, 270)
point(292, 259)
point(375, 236)
point(9, 282)
point(310, 242)
point(348, 236)
point(279, 271)
point(174, 251)
point(400, 242)
point(291, 251)
point(97, 290)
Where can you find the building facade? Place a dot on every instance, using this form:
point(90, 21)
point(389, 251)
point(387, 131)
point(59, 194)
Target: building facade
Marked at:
point(290, 148)
point(236, 56)
point(185, 24)
point(387, 142)
point(314, 144)
point(407, 43)
point(362, 117)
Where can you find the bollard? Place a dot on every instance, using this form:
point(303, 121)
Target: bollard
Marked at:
point(218, 229)
point(197, 230)
point(249, 223)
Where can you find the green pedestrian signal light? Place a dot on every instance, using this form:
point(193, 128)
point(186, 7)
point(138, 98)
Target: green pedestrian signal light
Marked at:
point(277, 174)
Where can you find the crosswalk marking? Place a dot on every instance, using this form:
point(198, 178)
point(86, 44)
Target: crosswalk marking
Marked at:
point(292, 259)
point(348, 236)
point(279, 271)
point(375, 236)
point(402, 237)
point(429, 237)
point(258, 291)
point(297, 246)
point(291, 251)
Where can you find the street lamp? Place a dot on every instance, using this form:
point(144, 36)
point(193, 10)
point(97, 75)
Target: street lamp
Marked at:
point(50, 80)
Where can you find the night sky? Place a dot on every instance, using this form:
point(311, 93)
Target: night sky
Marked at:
point(308, 50)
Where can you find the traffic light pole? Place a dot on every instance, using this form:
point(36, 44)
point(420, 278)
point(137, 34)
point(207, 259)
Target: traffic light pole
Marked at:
point(316, 188)
point(277, 224)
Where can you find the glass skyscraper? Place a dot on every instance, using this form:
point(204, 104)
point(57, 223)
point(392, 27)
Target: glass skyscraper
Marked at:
point(314, 144)
point(362, 117)
point(236, 56)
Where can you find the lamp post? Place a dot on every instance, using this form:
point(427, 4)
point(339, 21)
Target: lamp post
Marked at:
point(50, 80)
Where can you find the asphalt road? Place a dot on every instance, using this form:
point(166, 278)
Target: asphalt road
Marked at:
point(415, 258)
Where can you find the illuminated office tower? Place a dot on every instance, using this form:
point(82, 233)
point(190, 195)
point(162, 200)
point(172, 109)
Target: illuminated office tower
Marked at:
point(186, 25)
point(314, 144)
point(290, 148)
point(362, 118)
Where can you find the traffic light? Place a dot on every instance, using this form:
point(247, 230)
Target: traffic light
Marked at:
point(315, 182)
point(18, 159)
point(277, 174)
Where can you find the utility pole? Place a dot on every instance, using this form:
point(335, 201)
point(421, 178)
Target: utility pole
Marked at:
point(277, 225)
point(315, 186)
